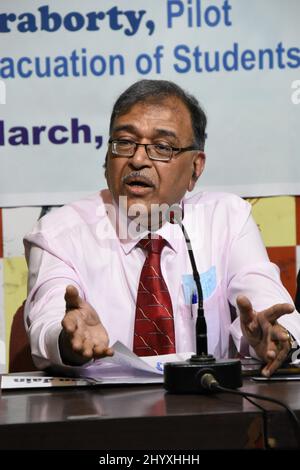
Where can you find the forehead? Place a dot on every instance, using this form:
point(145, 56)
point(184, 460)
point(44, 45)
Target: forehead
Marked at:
point(169, 114)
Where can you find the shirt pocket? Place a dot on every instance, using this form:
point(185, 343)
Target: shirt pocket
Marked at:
point(212, 314)
point(189, 313)
point(208, 281)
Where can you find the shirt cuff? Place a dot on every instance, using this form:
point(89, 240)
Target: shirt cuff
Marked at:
point(51, 344)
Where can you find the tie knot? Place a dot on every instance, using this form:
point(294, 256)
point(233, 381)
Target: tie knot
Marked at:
point(152, 245)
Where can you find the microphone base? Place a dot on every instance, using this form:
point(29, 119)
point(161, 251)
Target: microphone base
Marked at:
point(185, 377)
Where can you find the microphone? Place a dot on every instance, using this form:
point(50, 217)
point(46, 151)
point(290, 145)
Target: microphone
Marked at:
point(186, 377)
point(175, 217)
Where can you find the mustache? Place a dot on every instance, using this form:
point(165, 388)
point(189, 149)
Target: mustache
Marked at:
point(139, 175)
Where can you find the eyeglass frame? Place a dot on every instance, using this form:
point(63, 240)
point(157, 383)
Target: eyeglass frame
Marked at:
point(178, 150)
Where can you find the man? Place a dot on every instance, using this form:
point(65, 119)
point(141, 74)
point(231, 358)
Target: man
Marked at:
point(88, 261)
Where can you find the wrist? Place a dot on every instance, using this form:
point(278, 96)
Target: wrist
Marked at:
point(293, 345)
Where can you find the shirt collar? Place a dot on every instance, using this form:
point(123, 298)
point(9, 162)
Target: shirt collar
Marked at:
point(172, 233)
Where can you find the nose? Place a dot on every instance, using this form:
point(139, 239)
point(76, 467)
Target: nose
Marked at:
point(140, 159)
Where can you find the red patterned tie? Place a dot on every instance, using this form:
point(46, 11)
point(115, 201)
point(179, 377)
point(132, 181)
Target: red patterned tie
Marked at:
point(154, 324)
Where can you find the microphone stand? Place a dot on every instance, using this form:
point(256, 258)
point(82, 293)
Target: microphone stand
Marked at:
point(186, 377)
point(201, 329)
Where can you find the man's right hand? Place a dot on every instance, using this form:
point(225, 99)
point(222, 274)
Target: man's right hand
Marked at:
point(83, 336)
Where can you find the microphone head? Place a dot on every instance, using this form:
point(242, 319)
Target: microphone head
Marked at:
point(175, 214)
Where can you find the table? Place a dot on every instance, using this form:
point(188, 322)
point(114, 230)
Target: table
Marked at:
point(143, 417)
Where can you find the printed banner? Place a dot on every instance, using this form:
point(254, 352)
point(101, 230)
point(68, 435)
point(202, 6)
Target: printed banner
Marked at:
point(63, 64)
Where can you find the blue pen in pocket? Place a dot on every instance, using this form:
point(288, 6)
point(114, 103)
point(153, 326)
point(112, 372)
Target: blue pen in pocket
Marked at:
point(194, 301)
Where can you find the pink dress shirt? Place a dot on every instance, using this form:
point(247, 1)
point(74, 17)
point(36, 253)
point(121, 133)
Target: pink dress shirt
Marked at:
point(77, 244)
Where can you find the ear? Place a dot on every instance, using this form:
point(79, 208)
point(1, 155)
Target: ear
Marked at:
point(105, 166)
point(198, 167)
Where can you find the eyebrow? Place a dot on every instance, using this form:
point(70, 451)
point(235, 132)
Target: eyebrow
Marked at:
point(134, 130)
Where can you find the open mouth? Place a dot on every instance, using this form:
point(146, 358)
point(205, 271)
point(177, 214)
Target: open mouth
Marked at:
point(141, 184)
point(138, 183)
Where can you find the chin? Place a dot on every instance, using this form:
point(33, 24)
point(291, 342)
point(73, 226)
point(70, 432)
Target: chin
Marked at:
point(138, 208)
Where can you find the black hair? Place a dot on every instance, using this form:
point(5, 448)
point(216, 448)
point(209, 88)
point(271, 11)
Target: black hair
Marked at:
point(154, 91)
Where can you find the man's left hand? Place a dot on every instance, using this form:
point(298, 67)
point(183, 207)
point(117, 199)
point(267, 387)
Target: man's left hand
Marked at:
point(268, 338)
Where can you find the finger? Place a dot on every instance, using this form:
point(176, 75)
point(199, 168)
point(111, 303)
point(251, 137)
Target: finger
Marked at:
point(87, 349)
point(70, 321)
point(271, 355)
point(77, 343)
point(247, 314)
point(276, 359)
point(72, 298)
point(278, 334)
point(100, 352)
point(271, 367)
point(82, 345)
point(90, 349)
point(110, 352)
point(277, 310)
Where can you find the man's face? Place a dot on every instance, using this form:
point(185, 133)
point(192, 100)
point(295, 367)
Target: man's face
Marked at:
point(146, 182)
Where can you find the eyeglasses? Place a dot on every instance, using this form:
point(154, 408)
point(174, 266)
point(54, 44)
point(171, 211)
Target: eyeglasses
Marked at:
point(160, 152)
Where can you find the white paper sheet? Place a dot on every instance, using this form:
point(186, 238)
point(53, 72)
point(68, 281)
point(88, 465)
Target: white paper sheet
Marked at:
point(122, 368)
point(124, 363)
